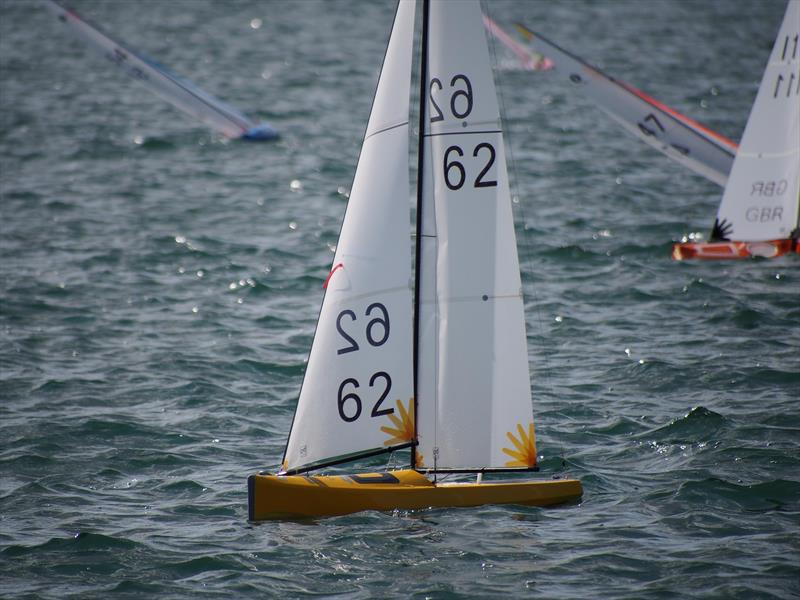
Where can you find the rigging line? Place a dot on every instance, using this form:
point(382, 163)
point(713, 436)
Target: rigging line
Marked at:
point(390, 462)
point(513, 184)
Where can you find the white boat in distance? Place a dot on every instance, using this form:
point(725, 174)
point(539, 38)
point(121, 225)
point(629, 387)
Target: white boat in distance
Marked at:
point(168, 86)
point(760, 207)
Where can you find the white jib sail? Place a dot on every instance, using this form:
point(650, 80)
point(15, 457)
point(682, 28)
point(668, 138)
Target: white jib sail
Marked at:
point(668, 131)
point(358, 386)
point(475, 405)
point(760, 202)
point(179, 92)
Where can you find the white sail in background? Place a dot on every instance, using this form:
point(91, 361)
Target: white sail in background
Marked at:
point(179, 92)
point(359, 375)
point(532, 61)
point(476, 401)
point(668, 131)
point(760, 202)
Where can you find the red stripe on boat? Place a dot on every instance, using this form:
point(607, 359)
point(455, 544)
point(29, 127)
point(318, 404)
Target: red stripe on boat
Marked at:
point(333, 270)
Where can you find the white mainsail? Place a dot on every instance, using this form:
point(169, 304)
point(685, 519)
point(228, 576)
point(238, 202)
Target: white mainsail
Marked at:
point(761, 199)
point(668, 131)
point(176, 90)
point(474, 402)
point(359, 377)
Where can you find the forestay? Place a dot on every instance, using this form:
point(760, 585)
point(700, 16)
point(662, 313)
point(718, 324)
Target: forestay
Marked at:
point(359, 377)
point(169, 87)
point(474, 384)
point(668, 131)
point(760, 201)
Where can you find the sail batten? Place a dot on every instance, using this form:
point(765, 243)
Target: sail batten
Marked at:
point(476, 132)
point(386, 128)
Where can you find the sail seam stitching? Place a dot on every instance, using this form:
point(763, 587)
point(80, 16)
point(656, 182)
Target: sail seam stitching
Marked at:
point(482, 132)
point(399, 288)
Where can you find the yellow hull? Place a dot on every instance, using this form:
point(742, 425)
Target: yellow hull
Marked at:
point(299, 496)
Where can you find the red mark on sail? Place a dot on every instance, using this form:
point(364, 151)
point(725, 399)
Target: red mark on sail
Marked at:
point(333, 270)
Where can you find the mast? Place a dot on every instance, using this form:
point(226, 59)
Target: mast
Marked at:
point(423, 79)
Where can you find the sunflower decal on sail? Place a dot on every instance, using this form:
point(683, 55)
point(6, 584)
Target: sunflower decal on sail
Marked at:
point(402, 429)
point(524, 447)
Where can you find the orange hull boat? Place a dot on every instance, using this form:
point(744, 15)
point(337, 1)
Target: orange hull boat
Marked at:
point(730, 250)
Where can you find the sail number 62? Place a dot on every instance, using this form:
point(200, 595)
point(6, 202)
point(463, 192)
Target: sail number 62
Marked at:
point(455, 174)
point(352, 400)
point(460, 98)
point(377, 329)
point(376, 333)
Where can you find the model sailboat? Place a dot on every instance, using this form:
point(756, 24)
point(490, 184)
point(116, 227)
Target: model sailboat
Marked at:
point(438, 363)
point(760, 207)
point(168, 86)
point(677, 136)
